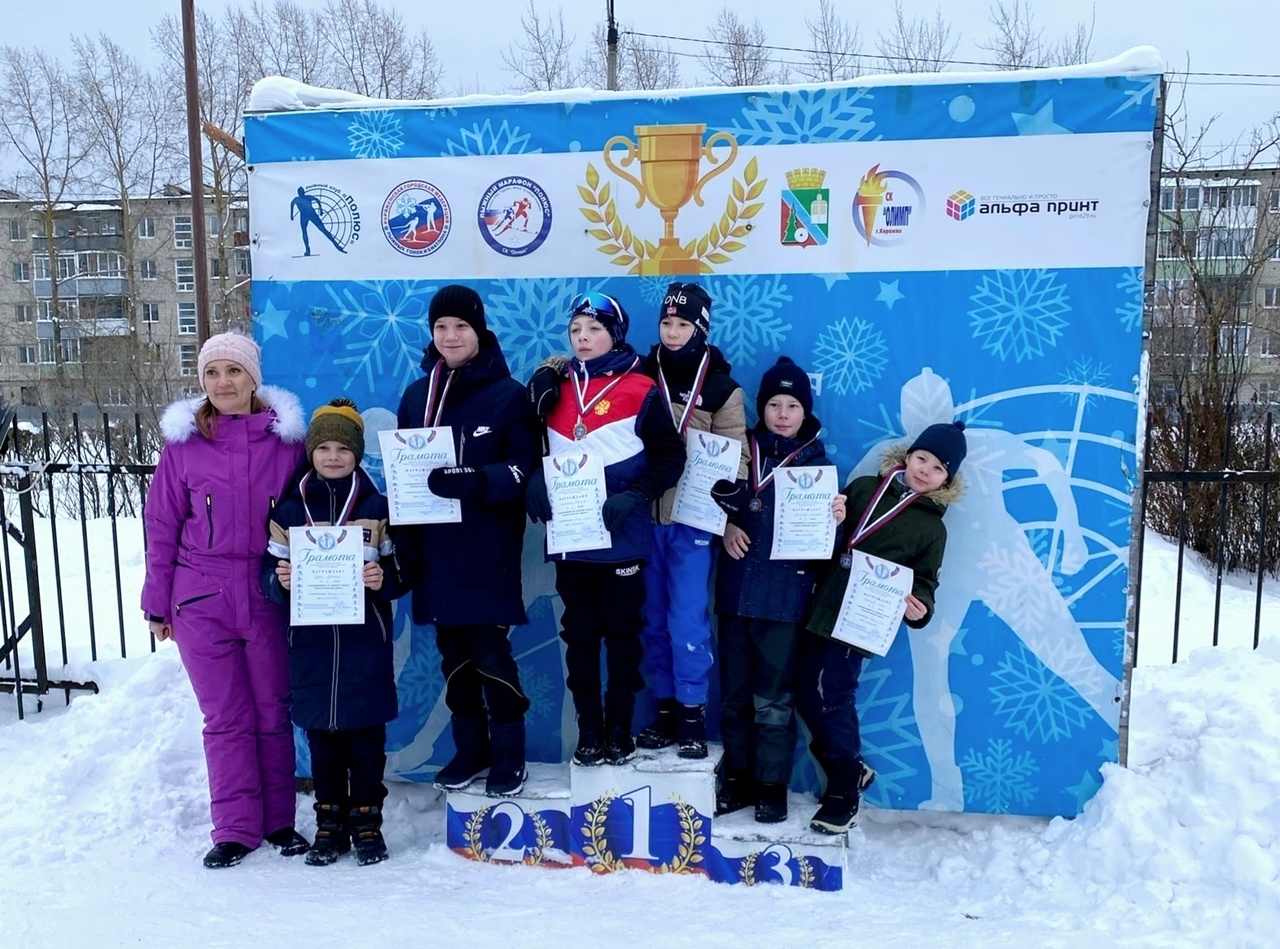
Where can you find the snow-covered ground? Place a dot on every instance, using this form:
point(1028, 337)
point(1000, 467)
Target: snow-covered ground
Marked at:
point(104, 816)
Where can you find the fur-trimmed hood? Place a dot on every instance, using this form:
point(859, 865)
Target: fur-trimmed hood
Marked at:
point(178, 423)
point(946, 495)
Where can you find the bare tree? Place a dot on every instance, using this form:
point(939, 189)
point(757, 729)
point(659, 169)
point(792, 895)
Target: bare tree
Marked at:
point(1018, 43)
point(917, 44)
point(836, 47)
point(282, 39)
point(37, 116)
point(542, 59)
point(737, 54)
point(1215, 245)
point(372, 52)
point(642, 63)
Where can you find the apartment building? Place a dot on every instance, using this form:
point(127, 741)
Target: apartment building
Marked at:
point(1218, 282)
point(98, 302)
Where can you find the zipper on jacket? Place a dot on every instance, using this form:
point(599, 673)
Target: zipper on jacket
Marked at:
point(195, 599)
point(208, 510)
point(271, 503)
point(333, 693)
point(381, 623)
point(462, 450)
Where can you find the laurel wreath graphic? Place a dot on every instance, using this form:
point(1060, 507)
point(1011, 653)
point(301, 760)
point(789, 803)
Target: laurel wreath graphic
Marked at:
point(747, 870)
point(628, 249)
point(601, 859)
point(806, 872)
point(475, 848)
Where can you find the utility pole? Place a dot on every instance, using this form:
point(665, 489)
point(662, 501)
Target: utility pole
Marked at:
point(611, 40)
point(199, 246)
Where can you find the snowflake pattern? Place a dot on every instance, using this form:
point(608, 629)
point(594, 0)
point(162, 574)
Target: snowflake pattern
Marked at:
point(748, 318)
point(1007, 593)
point(1130, 311)
point(1138, 93)
point(996, 780)
point(485, 140)
point(386, 322)
point(543, 694)
point(421, 682)
point(1019, 312)
point(531, 317)
point(1042, 541)
point(1083, 375)
point(851, 354)
point(375, 134)
point(805, 116)
point(1034, 702)
point(888, 729)
point(653, 290)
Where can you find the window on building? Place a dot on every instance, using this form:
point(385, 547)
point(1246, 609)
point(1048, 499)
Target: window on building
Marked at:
point(47, 350)
point(24, 313)
point(147, 227)
point(27, 355)
point(17, 229)
point(185, 273)
point(101, 264)
point(215, 267)
point(109, 226)
point(1266, 392)
point(151, 312)
point(1273, 199)
point(1270, 297)
point(67, 310)
point(187, 359)
point(1244, 196)
point(1166, 393)
point(1226, 242)
point(66, 267)
point(1269, 341)
point(147, 269)
point(182, 231)
point(186, 319)
point(113, 395)
point(1188, 195)
point(1233, 339)
point(22, 271)
point(242, 261)
point(1273, 252)
point(213, 226)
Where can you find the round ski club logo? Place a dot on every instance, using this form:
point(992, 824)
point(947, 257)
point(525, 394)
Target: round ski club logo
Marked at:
point(324, 211)
point(416, 218)
point(885, 205)
point(514, 216)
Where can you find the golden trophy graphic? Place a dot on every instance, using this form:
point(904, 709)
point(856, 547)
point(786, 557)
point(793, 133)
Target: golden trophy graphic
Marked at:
point(670, 158)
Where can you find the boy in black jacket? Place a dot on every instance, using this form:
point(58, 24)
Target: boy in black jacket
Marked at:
point(341, 677)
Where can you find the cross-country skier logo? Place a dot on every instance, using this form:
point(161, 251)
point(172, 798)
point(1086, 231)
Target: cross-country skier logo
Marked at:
point(514, 216)
point(331, 212)
point(416, 218)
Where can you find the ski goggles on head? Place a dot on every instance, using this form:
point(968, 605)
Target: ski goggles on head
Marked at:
point(602, 308)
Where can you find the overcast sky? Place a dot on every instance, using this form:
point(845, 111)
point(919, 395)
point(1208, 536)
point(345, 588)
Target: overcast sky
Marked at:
point(1238, 36)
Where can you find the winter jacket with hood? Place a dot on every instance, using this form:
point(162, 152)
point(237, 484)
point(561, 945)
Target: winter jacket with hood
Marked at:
point(916, 538)
point(756, 586)
point(468, 573)
point(207, 508)
point(342, 677)
point(720, 409)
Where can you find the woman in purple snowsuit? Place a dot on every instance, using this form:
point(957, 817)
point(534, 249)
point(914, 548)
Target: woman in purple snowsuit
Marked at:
point(226, 460)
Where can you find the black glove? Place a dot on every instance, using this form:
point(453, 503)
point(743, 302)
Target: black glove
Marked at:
point(544, 390)
point(730, 495)
point(618, 506)
point(536, 501)
point(464, 484)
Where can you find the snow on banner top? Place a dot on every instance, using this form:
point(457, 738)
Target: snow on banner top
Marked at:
point(1116, 96)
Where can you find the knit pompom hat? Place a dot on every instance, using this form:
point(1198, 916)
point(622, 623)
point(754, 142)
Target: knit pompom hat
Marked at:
point(237, 347)
point(338, 421)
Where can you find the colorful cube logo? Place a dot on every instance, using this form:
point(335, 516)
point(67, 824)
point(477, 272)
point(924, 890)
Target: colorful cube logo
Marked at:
point(961, 205)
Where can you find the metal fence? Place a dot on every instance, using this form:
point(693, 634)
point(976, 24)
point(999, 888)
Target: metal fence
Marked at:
point(58, 480)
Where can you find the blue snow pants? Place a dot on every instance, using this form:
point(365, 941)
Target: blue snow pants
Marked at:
point(677, 620)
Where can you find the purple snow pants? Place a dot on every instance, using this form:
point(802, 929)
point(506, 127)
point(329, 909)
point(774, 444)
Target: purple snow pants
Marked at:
point(233, 643)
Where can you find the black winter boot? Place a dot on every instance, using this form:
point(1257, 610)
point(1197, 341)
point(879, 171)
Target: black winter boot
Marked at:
point(332, 837)
point(735, 792)
point(226, 854)
point(838, 809)
point(661, 732)
point(471, 758)
point(366, 834)
point(771, 803)
point(691, 731)
point(590, 750)
point(506, 771)
point(288, 841)
point(619, 707)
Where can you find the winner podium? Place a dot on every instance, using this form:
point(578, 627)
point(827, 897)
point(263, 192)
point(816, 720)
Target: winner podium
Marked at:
point(654, 814)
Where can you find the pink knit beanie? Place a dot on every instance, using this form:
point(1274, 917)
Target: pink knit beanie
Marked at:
point(234, 346)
